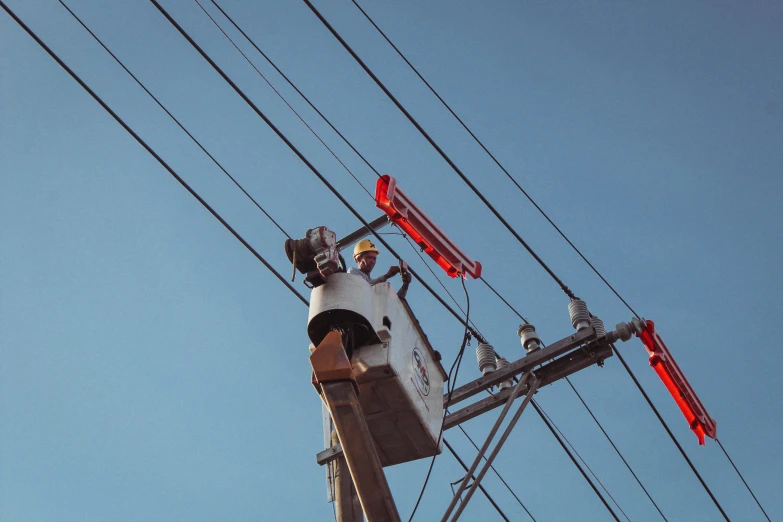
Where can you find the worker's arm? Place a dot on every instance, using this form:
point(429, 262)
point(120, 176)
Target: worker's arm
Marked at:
point(406, 281)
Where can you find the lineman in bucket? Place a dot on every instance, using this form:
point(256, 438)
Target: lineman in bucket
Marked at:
point(365, 254)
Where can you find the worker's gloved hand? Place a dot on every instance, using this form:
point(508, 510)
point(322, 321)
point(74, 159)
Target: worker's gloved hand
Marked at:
point(393, 271)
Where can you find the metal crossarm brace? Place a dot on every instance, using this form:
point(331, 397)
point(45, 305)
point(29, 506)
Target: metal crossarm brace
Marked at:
point(523, 384)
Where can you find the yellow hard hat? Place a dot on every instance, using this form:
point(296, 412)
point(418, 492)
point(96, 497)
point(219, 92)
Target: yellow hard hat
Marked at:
point(365, 245)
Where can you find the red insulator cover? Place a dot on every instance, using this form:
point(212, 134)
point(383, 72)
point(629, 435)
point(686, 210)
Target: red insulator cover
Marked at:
point(665, 366)
point(406, 215)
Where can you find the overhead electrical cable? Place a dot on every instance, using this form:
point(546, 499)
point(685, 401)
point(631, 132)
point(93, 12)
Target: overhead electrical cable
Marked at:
point(586, 465)
point(440, 151)
point(743, 479)
point(492, 467)
point(565, 289)
point(282, 98)
point(669, 431)
point(151, 151)
point(462, 463)
point(582, 471)
point(174, 118)
point(492, 156)
point(304, 160)
point(615, 448)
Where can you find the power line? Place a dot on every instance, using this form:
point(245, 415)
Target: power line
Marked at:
point(282, 97)
point(548, 425)
point(304, 160)
point(615, 447)
point(671, 435)
point(586, 465)
point(440, 151)
point(149, 149)
point(462, 463)
point(497, 474)
point(492, 156)
point(743, 479)
point(174, 118)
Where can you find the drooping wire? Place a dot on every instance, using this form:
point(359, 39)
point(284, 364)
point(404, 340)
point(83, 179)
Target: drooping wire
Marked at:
point(483, 490)
point(282, 98)
point(304, 160)
point(440, 151)
point(155, 99)
point(669, 431)
point(492, 156)
point(492, 467)
point(150, 150)
point(452, 380)
point(743, 479)
point(615, 448)
point(582, 471)
point(586, 465)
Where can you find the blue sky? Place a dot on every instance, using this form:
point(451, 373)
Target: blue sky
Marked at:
point(152, 369)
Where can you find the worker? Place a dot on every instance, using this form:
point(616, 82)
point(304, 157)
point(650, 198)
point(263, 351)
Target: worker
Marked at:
point(366, 255)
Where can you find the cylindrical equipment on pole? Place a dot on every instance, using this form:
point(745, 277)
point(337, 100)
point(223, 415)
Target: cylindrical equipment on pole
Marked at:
point(487, 360)
point(580, 316)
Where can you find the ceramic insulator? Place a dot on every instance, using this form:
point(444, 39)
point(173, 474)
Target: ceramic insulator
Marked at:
point(580, 317)
point(598, 324)
point(503, 363)
point(529, 338)
point(487, 361)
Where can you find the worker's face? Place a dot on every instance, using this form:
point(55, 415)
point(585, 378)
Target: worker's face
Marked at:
point(367, 262)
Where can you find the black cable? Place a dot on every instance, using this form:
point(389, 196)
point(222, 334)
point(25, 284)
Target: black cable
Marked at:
point(451, 385)
point(497, 474)
point(462, 463)
point(492, 156)
point(440, 151)
point(173, 118)
point(149, 149)
point(743, 479)
point(559, 431)
point(282, 97)
point(548, 425)
point(671, 435)
point(615, 448)
point(304, 160)
point(300, 93)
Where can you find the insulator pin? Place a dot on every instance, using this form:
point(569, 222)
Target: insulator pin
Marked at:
point(487, 360)
point(503, 363)
point(580, 316)
point(529, 338)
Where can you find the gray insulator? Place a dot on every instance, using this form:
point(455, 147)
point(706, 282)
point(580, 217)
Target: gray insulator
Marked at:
point(503, 363)
point(580, 317)
point(529, 338)
point(624, 331)
point(598, 324)
point(487, 361)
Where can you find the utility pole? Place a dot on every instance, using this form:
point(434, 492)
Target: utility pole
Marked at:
point(346, 500)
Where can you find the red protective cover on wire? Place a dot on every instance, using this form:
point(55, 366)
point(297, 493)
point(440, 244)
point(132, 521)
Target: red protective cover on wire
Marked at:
point(406, 215)
point(664, 365)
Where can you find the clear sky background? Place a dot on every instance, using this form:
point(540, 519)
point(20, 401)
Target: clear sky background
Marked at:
point(152, 369)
